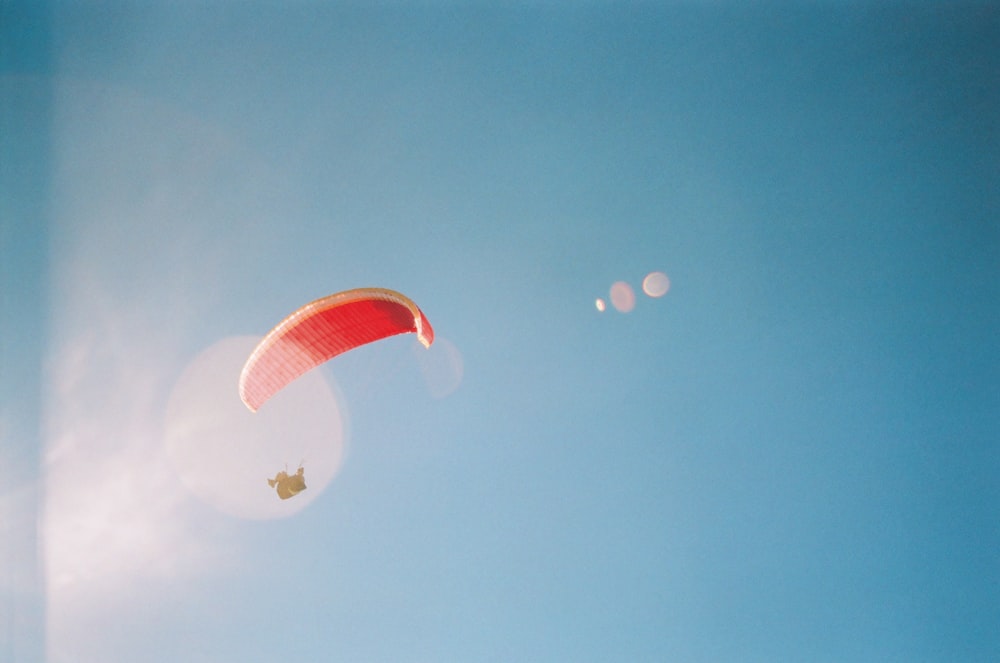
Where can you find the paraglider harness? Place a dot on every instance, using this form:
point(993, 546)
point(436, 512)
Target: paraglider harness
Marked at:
point(288, 485)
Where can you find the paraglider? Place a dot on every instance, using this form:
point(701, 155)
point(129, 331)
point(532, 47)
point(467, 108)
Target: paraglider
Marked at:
point(288, 485)
point(322, 330)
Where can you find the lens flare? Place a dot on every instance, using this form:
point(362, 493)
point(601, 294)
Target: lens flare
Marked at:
point(601, 306)
point(622, 296)
point(442, 366)
point(224, 454)
point(656, 284)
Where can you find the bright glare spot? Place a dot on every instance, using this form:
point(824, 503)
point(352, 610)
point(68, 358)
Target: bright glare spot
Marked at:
point(656, 284)
point(622, 296)
point(601, 306)
point(225, 454)
point(110, 516)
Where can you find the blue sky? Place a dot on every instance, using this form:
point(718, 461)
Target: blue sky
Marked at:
point(791, 456)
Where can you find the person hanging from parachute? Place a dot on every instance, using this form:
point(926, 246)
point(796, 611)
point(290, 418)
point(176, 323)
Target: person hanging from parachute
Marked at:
point(288, 485)
point(316, 333)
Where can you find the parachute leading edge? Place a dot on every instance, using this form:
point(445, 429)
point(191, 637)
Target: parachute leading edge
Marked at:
point(324, 329)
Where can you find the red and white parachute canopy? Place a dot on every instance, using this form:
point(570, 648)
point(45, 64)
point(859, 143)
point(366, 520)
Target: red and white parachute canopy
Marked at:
point(324, 329)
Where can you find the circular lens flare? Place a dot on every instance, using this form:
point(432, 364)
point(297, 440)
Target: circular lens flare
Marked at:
point(656, 284)
point(601, 306)
point(225, 454)
point(441, 365)
point(622, 296)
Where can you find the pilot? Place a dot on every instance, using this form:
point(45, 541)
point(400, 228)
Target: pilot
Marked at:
point(288, 486)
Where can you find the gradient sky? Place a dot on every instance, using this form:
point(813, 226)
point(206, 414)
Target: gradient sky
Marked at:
point(793, 455)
